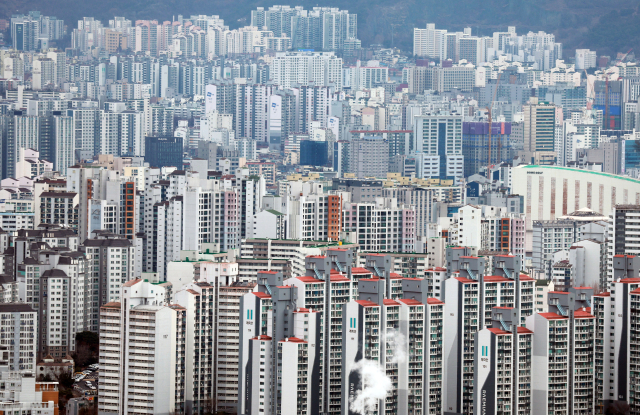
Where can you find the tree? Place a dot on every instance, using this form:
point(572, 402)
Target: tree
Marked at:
point(618, 408)
point(65, 380)
point(45, 378)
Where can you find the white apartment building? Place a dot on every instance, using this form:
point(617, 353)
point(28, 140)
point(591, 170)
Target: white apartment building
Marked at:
point(307, 68)
point(19, 336)
point(381, 226)
point(21, 394)
point(489, 228)
point(429, 42)
point(137, 375)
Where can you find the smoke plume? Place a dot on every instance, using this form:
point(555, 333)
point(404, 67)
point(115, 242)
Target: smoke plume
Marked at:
point(375, 386)
point(375, 382)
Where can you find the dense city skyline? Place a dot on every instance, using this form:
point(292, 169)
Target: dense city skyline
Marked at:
point(285, 216)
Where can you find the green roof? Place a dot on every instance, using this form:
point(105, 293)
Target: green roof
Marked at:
point(610, 175)
point(274, 212)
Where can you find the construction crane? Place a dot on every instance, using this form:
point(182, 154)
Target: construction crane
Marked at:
point(590, 86)
point(490, 125)
point(623, 57)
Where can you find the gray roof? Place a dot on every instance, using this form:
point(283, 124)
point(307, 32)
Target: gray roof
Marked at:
point(119, 242)
point(15, 308)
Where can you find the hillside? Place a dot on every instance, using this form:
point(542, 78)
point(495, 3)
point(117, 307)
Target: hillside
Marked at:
point(607, 26)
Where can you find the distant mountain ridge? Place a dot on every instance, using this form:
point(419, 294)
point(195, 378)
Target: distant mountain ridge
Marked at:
point(607, 26)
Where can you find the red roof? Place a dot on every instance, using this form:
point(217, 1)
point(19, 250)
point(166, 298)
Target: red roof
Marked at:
point(495, 278)
point(338, 278)
point(261, 337)
point(267, 272)
point(551, 316)
point(366, 303)
point(131, 283)
point(409, 301)
point(309, 279)
point(497, 331)
point(292, 340)
point(524, 330)
point(436, 269)
point(582, 314)
point(434, 301)
point(525, 277)
point(583, 288)
point(395, 276)
point(558, 292)
point(360, 270)
point(316, 256)
point(387, 301)
point(304, 310)
point(630, 280)
point(261, 295)
point(464, 280)
point(602, 295)
point(377, 131)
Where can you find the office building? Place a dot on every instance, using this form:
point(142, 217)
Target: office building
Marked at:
point(163, 151)
point(368, 157)
point(539, 132)
point(439, 144)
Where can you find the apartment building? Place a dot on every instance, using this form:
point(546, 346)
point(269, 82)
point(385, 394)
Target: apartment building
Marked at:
point(385, 332)
point(136, 376)
point(111, 262)
point(380, 226)
point(550, 237)
point(19, 337)
point(502, 369)
point(273, 251)
point(20, 393)
point(58, 208)
point(409, 265)
point(439, 140)
point(562, 375)
point(228, 344)
point(469, 299)
point(489, 228)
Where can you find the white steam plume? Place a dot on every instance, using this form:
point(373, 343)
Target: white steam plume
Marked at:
point(398, 344)
point(375, 386)
point(375, 383)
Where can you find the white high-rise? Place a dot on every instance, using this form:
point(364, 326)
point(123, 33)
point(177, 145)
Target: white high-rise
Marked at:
point(439, 140)
point(307, 68)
